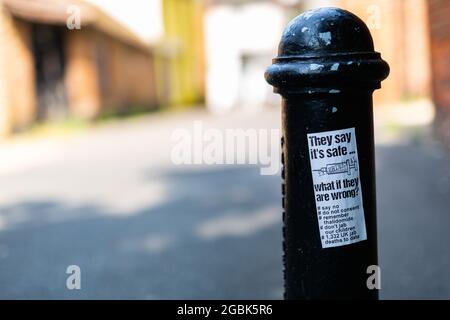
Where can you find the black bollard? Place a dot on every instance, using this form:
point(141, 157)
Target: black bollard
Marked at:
point(326, 72)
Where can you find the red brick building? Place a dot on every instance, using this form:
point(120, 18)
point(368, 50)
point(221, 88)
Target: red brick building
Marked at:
point(400, 30)
point(439, 12)
point(49, 72)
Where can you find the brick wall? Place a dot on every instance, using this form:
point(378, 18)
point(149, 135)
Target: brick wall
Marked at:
point(439, 13)
point(105, 75)
point(126, 75)
point(4, 110)
point(400, 32)
point(81, 76)
point(17, 93)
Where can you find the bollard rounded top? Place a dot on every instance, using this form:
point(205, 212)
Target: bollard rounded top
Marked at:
point(326, 50)
point(324, 31)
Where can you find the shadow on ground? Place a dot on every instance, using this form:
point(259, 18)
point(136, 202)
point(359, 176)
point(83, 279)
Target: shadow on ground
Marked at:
point(413, 183)
point(217, 234)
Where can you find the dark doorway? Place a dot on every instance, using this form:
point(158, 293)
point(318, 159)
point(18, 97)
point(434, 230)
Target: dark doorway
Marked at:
point(48, 48)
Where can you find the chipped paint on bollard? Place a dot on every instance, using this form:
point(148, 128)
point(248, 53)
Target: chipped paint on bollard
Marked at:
point(326, 71)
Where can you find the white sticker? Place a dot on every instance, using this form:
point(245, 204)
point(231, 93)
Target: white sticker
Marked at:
point(337, 187)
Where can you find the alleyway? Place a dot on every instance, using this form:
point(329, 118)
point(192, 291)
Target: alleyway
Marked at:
point(111, 201)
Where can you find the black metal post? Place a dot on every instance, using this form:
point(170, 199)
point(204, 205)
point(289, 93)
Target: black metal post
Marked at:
point(326, 72)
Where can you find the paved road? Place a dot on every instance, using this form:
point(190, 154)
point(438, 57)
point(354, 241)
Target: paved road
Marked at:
point(112, 202)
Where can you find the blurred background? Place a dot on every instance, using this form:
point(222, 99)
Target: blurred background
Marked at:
point(90, 95)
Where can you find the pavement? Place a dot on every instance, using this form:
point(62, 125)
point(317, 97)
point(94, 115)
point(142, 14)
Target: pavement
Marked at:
point(111, 201)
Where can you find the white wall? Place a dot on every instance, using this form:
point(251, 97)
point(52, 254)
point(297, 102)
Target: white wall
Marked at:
point(252, 30)
point(143, 17)
point(313, 4)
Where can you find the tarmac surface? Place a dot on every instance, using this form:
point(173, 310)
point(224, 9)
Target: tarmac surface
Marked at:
point(111, 201)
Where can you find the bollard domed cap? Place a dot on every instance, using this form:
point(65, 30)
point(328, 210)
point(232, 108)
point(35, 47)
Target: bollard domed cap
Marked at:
point(326, 50)
point(324, 31)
